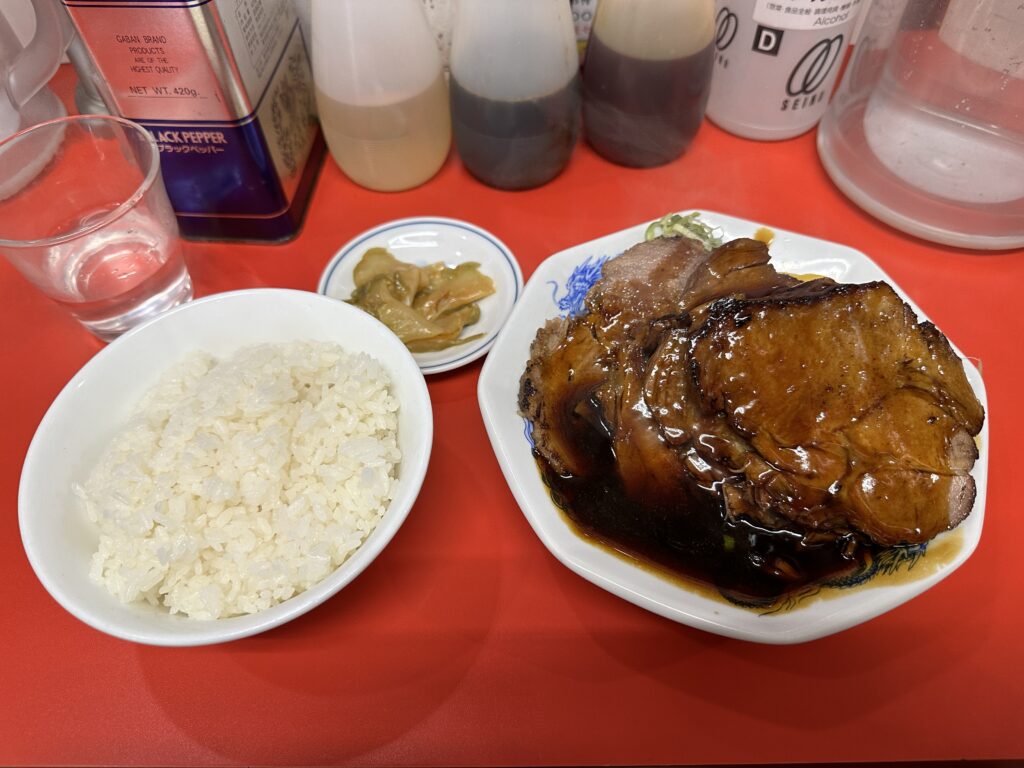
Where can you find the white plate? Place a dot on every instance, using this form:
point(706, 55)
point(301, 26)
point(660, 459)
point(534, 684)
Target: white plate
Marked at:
point(427, 240)
point(551, 293)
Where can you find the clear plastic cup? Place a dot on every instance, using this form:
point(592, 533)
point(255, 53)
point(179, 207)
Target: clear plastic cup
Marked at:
point(85, 218)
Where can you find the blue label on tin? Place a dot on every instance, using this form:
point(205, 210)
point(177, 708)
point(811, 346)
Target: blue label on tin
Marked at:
point(218, 168)
point(236, 143)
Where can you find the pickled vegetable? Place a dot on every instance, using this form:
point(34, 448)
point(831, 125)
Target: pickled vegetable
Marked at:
point(427, 307)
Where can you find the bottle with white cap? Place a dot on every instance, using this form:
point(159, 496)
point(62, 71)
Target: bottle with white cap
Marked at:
point(776, 63)
point(381, 91)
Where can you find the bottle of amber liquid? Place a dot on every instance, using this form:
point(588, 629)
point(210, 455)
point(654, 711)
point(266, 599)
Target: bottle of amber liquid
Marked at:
point(647, 77)
point(381, 91)
point(515, 90)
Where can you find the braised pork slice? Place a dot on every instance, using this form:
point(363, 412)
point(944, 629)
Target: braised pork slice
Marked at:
point(858, 407)
point(572, 391)
point(556, 393)
point(585, 377)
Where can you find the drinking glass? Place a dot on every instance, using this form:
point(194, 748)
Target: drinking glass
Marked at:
point(85, 218)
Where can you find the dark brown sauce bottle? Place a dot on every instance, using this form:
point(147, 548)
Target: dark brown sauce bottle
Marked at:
point(647, 78)
point(641, 112)
point(516, 144)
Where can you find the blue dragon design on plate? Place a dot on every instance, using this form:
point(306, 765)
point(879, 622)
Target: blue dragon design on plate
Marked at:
point(579, 282)
point(886, 562)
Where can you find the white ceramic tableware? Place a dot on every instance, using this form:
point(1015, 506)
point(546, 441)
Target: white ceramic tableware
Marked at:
point(58, 538)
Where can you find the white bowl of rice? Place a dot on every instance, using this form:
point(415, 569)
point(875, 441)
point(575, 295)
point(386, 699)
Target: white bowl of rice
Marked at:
point(225, 467)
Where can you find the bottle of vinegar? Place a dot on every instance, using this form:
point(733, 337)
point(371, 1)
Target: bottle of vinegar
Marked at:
point(515, 90)
point(380, 91)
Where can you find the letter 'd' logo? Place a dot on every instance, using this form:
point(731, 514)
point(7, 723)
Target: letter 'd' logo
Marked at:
point(767, 40)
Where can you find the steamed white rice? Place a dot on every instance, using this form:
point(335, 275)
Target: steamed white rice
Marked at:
point(242, 482)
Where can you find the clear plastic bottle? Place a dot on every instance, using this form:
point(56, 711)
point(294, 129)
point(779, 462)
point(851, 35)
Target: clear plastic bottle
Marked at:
point(515, 90)
point(646, 78)
point(381, 91)
point(776, 63)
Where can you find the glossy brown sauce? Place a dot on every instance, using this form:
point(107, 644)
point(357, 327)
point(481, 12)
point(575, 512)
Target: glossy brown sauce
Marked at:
point(685, 536)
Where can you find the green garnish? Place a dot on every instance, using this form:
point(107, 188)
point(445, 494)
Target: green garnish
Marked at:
point(690, 225)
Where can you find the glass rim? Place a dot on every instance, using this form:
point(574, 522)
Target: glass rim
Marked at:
point(144, 186)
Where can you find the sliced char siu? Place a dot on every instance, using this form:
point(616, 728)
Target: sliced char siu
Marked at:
point(866, 413)
point(814, 407)
point(585, 375)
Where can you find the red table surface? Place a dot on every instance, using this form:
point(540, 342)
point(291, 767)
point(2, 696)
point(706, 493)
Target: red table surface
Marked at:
point(466, 642)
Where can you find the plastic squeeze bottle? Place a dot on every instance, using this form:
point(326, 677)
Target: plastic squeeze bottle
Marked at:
point(776, 62)
point(515, 90)
point(646, 78)
point(380, 91)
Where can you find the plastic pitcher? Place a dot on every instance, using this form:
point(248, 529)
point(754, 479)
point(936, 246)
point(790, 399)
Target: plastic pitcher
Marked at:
point(24, 71)
point(926, 131)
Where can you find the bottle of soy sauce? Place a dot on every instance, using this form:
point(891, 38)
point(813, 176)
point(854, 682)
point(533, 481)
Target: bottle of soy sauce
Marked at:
point(515, 90)
point(647, 78)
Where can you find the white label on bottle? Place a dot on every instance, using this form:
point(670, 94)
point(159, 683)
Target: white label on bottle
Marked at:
point(805, 14)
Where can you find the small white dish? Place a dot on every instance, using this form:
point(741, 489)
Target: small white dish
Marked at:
point(556, 288)
point(428, 240)
point(60, 541)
